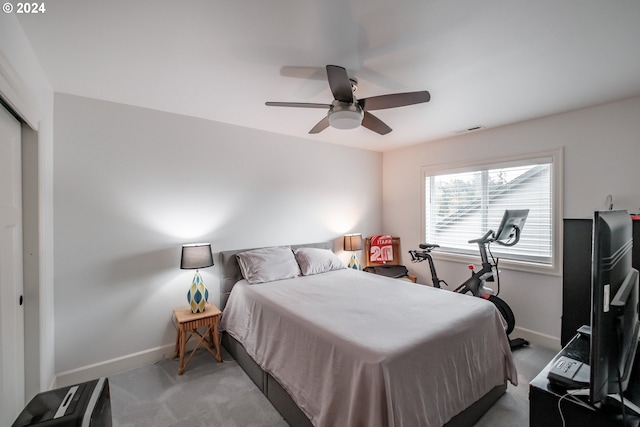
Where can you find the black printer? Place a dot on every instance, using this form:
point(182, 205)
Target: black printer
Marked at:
point(82, 405)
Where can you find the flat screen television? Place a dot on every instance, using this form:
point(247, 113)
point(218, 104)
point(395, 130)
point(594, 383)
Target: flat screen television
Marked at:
point(614, 306)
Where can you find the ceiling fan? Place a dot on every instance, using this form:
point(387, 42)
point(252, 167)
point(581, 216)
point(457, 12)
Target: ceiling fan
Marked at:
point(348, 112)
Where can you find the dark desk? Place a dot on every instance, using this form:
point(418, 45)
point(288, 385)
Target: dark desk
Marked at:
point(544, 397)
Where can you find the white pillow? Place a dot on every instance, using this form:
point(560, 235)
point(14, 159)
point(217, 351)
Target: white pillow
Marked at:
point(315, 261)
point(268, 264)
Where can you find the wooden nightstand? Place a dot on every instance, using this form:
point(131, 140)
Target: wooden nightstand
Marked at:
point(189, 322)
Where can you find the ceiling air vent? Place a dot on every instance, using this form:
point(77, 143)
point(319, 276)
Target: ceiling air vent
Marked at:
point(471, 129)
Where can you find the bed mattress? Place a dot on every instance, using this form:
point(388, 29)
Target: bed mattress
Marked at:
point(357, 349)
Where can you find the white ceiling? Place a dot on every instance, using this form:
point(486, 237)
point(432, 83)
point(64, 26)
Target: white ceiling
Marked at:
point(485, 63)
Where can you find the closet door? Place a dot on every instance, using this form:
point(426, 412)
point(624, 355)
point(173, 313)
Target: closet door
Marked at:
point(11, 308)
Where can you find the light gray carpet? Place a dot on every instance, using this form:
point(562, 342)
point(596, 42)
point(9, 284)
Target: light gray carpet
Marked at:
point(512, 409)
point(207, 394)
point(221, 395)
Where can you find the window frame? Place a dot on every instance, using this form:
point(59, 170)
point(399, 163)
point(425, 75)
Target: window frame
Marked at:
point(556, 205)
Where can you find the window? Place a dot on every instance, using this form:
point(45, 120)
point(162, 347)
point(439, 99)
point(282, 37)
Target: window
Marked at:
point(462, 202)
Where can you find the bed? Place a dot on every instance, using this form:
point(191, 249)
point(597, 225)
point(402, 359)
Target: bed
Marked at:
point(338, 347)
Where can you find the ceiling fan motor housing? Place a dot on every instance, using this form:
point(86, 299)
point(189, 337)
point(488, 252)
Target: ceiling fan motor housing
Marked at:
point(344, 115)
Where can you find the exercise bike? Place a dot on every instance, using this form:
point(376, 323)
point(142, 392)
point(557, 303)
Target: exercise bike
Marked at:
point(508, 234)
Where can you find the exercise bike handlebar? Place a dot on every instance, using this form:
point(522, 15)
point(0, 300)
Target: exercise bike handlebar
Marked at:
point(487, 238)
point(490, 237)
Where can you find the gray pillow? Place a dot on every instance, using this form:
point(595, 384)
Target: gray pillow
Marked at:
point(268, 264)
point(315, 261)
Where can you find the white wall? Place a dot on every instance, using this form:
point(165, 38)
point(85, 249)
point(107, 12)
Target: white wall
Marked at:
point(132, 185)
point(25, 87)
point(601, 154)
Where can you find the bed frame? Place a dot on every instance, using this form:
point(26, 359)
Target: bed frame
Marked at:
point(272, 389)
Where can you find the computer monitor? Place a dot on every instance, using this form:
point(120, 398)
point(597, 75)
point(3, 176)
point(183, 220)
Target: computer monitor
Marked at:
point(614, 306)
point(511, 225)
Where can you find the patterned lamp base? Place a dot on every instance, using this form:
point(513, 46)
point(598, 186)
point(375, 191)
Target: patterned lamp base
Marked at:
point(353, 262)
point(198, 294)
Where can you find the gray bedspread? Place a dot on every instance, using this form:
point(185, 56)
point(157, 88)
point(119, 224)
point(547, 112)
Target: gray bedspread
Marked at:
point(357, 349)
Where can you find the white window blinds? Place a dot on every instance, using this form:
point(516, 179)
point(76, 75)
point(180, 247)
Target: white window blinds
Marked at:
point(461, 205)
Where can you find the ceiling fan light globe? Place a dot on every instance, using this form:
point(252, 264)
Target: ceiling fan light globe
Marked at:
point(345, 116)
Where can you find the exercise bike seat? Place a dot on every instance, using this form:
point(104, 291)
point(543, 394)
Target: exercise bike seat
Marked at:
point(428, 246)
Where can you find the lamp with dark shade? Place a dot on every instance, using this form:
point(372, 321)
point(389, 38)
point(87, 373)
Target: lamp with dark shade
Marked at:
point(353, 243)
point(196, 256)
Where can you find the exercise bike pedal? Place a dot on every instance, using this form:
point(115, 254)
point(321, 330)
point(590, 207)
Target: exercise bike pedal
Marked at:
point(517, 343)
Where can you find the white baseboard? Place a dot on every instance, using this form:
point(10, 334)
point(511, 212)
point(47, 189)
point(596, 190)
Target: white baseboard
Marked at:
point(537, 338)
point(114, 366)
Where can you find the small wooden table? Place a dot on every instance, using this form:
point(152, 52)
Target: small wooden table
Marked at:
point(191, 322)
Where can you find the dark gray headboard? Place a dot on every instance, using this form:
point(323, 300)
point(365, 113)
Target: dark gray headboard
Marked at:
point(231, 270)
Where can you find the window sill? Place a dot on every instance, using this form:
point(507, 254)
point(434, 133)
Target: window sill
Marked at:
point(504, 264)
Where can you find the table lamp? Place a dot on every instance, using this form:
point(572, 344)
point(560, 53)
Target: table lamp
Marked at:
point(196, 256)
point(353, 243)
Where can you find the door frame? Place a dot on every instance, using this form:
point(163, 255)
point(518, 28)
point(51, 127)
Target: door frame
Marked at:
point(38, 327)
point(12, 312)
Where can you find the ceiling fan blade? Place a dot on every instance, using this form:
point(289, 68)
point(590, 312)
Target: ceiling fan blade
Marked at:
point(309, 73)
point(394, 100)
point(375, 124)
point(322, 125)
point(297, 104)
point(339, 83)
